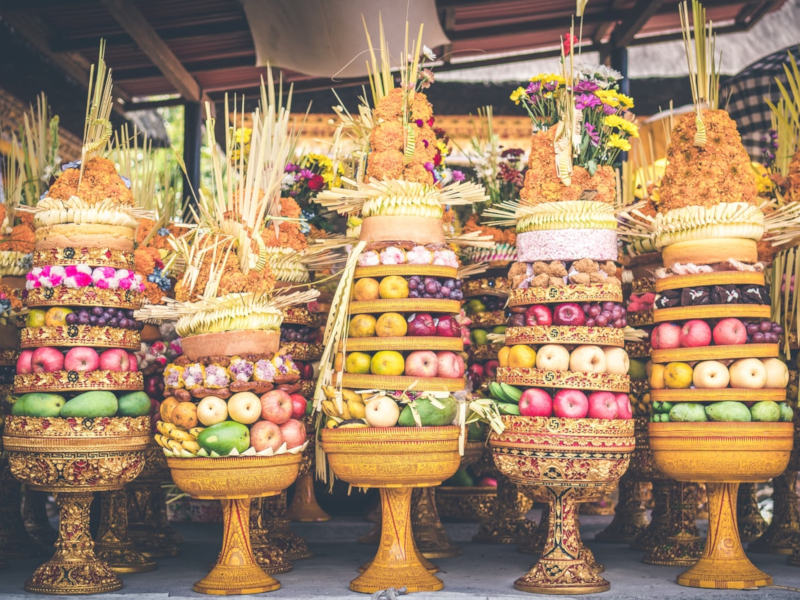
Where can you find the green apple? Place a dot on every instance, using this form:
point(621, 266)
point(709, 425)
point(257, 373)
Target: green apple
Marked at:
point(475, 306)
point(35, 318)
point(637, 370)
point(479, 337)
point(501, 329)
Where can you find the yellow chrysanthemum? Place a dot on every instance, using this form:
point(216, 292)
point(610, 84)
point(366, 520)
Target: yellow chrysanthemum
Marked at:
point(617, 141)
point(761, 176)
point(617, 122)
point(517, 95)
point(609, 97)
point(625, 101)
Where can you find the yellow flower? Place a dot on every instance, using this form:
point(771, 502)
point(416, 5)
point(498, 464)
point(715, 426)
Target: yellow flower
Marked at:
point(625, 101)
point(517, 95)
point(616, 141)
point(609, 97)
point(764, 184)
point(617, 122)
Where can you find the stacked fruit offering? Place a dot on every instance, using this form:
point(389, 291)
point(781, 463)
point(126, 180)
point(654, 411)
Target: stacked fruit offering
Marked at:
point(484, 308)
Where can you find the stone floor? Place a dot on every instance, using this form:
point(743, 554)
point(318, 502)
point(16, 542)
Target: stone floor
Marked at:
point(481, 572)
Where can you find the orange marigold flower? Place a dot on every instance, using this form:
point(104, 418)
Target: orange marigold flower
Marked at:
point(290, 208)
point(100, 182)
point(421, 107)
point(417, 173)
point(388, 135)
point(385, 165)
point(390, 106)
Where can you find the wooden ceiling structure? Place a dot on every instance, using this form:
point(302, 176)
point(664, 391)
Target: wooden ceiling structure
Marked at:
point(189, 51)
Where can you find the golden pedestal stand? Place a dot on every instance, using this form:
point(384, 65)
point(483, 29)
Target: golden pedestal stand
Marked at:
point(269, 557)
point(74, 458)
point(234, 481)
point(751, 524)
point(113, 545)
point(567, 461)
point(679, 544)
point(395, 460)
point(722, 455)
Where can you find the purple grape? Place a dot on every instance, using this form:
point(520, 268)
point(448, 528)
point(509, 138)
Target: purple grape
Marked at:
point(608, 305)
point(777, 328)
point(590, 322)
point(594, 310)
point(624, 320)
point(83, 318)
point(431, 286)
point(71, 319)
point(616, 312)
point(619, 323)
point(124, 322)
point(412, 284)
point(113, 322)
point(601, 320)
point(445, 291)
point(758, 337)
point(751, 328)
point(457, 295)
point(93, 319)
point(413, 293)
point(586, 306)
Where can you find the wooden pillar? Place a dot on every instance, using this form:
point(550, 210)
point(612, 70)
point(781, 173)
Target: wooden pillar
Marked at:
point(619, 61)
point(192, 138)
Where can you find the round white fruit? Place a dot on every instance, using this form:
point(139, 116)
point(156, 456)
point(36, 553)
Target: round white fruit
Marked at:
point(244, 407)
point(552, 357)
point(588, 359)
point(710, 374)
point(777, 373)
point(212, 410)
point(382, 411)
point(617, 361)
point(748, 373)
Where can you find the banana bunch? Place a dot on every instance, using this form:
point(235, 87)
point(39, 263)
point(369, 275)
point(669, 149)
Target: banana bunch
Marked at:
point(723, 220)
point(342, 407)
point(177, 440)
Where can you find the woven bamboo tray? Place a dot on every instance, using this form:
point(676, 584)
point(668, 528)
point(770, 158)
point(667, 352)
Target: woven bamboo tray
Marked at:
point(405, 270)
point(563, 379)
point(711, 311)
point(594, 292)
point(79, 335)
point(369, 344)
point(408, 305)
point(402, 382)
point(72, 381)
point(676, 282)
point(718, 395)
point(562, 334)
point(715, 352)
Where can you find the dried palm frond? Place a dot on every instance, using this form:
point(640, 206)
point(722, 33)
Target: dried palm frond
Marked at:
point(13, 183)
point(786, 116)
point(39, 150)
point(97, 124)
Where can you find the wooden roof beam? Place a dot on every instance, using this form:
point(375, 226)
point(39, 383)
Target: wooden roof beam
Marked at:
point(131, 19)
point(639, 16)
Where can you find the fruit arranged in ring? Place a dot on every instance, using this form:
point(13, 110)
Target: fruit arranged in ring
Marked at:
point(744, 373)
point(92, 404)
point(588, 314)
point(393, 324)
point(79, 359)
point(586, 358)
point(714, 294)
point(94, 316)
point(300, 333)
point(726, 411)
point(411, 286)
point(725, 332)
point(569, 403)
point(411, 254)
point(418, 363)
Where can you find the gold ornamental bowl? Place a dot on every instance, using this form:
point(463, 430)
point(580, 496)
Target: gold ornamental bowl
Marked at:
point(74, 458)
point(395, 460)
point(565, 461)
point(722, 455)
point(234, 481)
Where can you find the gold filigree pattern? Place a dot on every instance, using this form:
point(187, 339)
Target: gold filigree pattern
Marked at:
point(563, 334)
point(77, 381)
point(94, 257)
point(486, 286)
point(488, 318)
point(592, 292)
point(80, 335)
point(86, 296)
point(302, 350)
point(563, 379)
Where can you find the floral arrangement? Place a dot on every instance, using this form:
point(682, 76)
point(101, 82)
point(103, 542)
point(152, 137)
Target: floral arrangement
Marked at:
point(306, 178)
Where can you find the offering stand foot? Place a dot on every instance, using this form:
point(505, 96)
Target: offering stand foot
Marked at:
point(236, 570)
point(508, 524)
point(429, 534)
point(113, 546)
point(148, 525)
point(629, 518)
point(269, 557)
point(281, 535)
point(396, 564)
point(751, 523)
point(723, 564)
point(683, 545)
point(563, 568)
point(304, 507)
point(74, 568)
point(784, 531)
point(658, 529)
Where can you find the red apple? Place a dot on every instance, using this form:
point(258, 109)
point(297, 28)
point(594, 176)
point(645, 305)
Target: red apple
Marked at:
point(475, 374)
point(570, 403)
point(487, 482)
point(294, 433)
point(264, 435)
point(695, 333)
point(450, 364)
point(602, 405)
point(81, 358)
point(421, 324)
point(276, 406)
point(422, 363)
point(490, 368)
point(133, 362)
point(154, 385)
point(624, 410)
point(47, 360)
point(665, 335)
point(298, 405)
point(729, 331)
point(569, 313)
point(114, 360)
point(306, 370)
point(535, 402)
point(24, 364)
point(538, 314)
point(447, 326)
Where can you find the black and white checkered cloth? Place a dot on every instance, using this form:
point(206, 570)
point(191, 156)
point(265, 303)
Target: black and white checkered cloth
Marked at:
point(745, 93)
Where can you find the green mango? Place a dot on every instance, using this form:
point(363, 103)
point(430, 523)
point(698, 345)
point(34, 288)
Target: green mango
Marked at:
point(507, 408)
point(666, 406)
point(765, 411)
point(687, 412)
point(222, 438)
point(787, 414)
point(97, 403)
point(429, 414)
point(637, 370)
point(728, 411)
point(134, 404)
point(462, 478)
point(39, 404)
point(657, 406)
point(510, 393)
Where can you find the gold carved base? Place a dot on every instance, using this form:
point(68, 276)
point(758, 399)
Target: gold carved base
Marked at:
point(751, 523)
point(269, 557)
point(304, 507)
point(508, 524)
point(682, 545)
point(783, 534)
point(113, 545)
point(466, 504)
point(429, 534)
point(236, 570)
point(723, 564)
point(148, 526)
point(280, 534)
point(566, 566)
point(74, 568)
point(629, 514)
point(397, 563)
point(658, 529)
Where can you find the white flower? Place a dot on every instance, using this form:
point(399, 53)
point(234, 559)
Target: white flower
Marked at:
point(601, 74)
point(287, 181)
point(428, 53)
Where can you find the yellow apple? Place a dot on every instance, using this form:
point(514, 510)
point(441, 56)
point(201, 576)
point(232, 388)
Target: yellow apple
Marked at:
point(387, 362)
point(502, 356)
point(393, 286)
point(366, 289)
point(357, 362)
point(362, 326)
point(521, 356)
point(656, 376)
point(35, 318)
point(677, 375)
point(56, 316)
point(391, 325)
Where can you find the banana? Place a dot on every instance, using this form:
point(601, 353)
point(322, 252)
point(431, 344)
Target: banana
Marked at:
point(332, 422)
point(161, 440)
point(349, 395)
point(329, 409)
point(180, 435)
point(357, 409)
point(175, 446)
point(191, 446)
point(164, 428)
point(195, 431)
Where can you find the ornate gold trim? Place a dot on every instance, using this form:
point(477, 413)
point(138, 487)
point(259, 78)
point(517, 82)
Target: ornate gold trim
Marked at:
point(74, 381)
point(562, 334)
point(593, 292)
point(563, 379)
point(80, 335)
point(86, 296)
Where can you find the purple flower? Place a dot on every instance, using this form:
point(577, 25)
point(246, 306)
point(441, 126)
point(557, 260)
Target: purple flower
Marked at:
point(533, 87)
point(290, 168)
point(429, 166)
point(419, 122)
point(584, 101)
point(550, 85)
point(591, 131)
point(306, 174)
point(585, 85)
point(609, 110)
point(457, 175)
